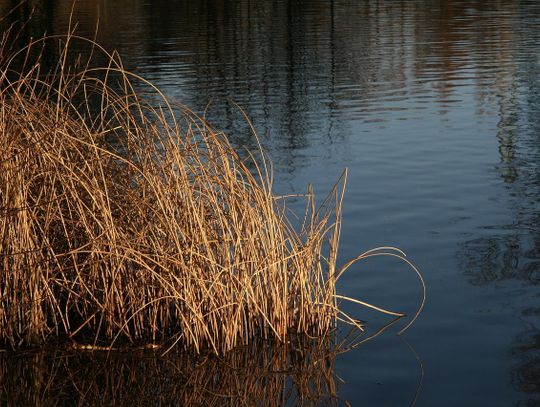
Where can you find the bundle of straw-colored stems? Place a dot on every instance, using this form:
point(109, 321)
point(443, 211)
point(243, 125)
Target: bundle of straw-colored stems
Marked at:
point(128, 219)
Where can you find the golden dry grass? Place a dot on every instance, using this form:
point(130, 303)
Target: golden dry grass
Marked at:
point(129, 218)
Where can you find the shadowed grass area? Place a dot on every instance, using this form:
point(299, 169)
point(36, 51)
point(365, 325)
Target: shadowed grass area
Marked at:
point(127, 218)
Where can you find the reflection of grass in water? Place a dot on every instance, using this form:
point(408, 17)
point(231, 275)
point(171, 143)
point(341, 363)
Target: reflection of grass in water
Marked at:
point(125, 221)
point(300, 371)
point(262, 373)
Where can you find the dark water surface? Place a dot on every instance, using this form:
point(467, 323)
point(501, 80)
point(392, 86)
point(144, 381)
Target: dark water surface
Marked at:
point(434, 107)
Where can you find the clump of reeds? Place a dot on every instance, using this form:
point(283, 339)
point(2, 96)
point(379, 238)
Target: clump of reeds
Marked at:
point(129, 218)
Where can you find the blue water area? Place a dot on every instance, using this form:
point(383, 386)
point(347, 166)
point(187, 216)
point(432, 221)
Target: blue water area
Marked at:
point(433, 106)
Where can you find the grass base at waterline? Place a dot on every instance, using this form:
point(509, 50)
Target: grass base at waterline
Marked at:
point(125, 218)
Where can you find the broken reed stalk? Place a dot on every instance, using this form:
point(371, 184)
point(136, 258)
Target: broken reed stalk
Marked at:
point(133, 219)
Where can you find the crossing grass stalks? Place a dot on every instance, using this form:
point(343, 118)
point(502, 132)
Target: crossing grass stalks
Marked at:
point(129, 219)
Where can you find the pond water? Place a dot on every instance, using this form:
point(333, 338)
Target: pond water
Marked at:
point(434, 108)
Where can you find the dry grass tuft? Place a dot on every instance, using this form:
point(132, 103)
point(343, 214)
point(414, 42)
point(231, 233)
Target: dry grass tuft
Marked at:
point(123, 218)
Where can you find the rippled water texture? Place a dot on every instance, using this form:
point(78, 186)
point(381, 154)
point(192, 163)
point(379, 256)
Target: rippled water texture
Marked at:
point(434, 106)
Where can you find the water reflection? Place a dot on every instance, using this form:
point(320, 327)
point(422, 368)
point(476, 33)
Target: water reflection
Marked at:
point(299, 66)
point(512, 251)
point(526, 376)
point(264, 374)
